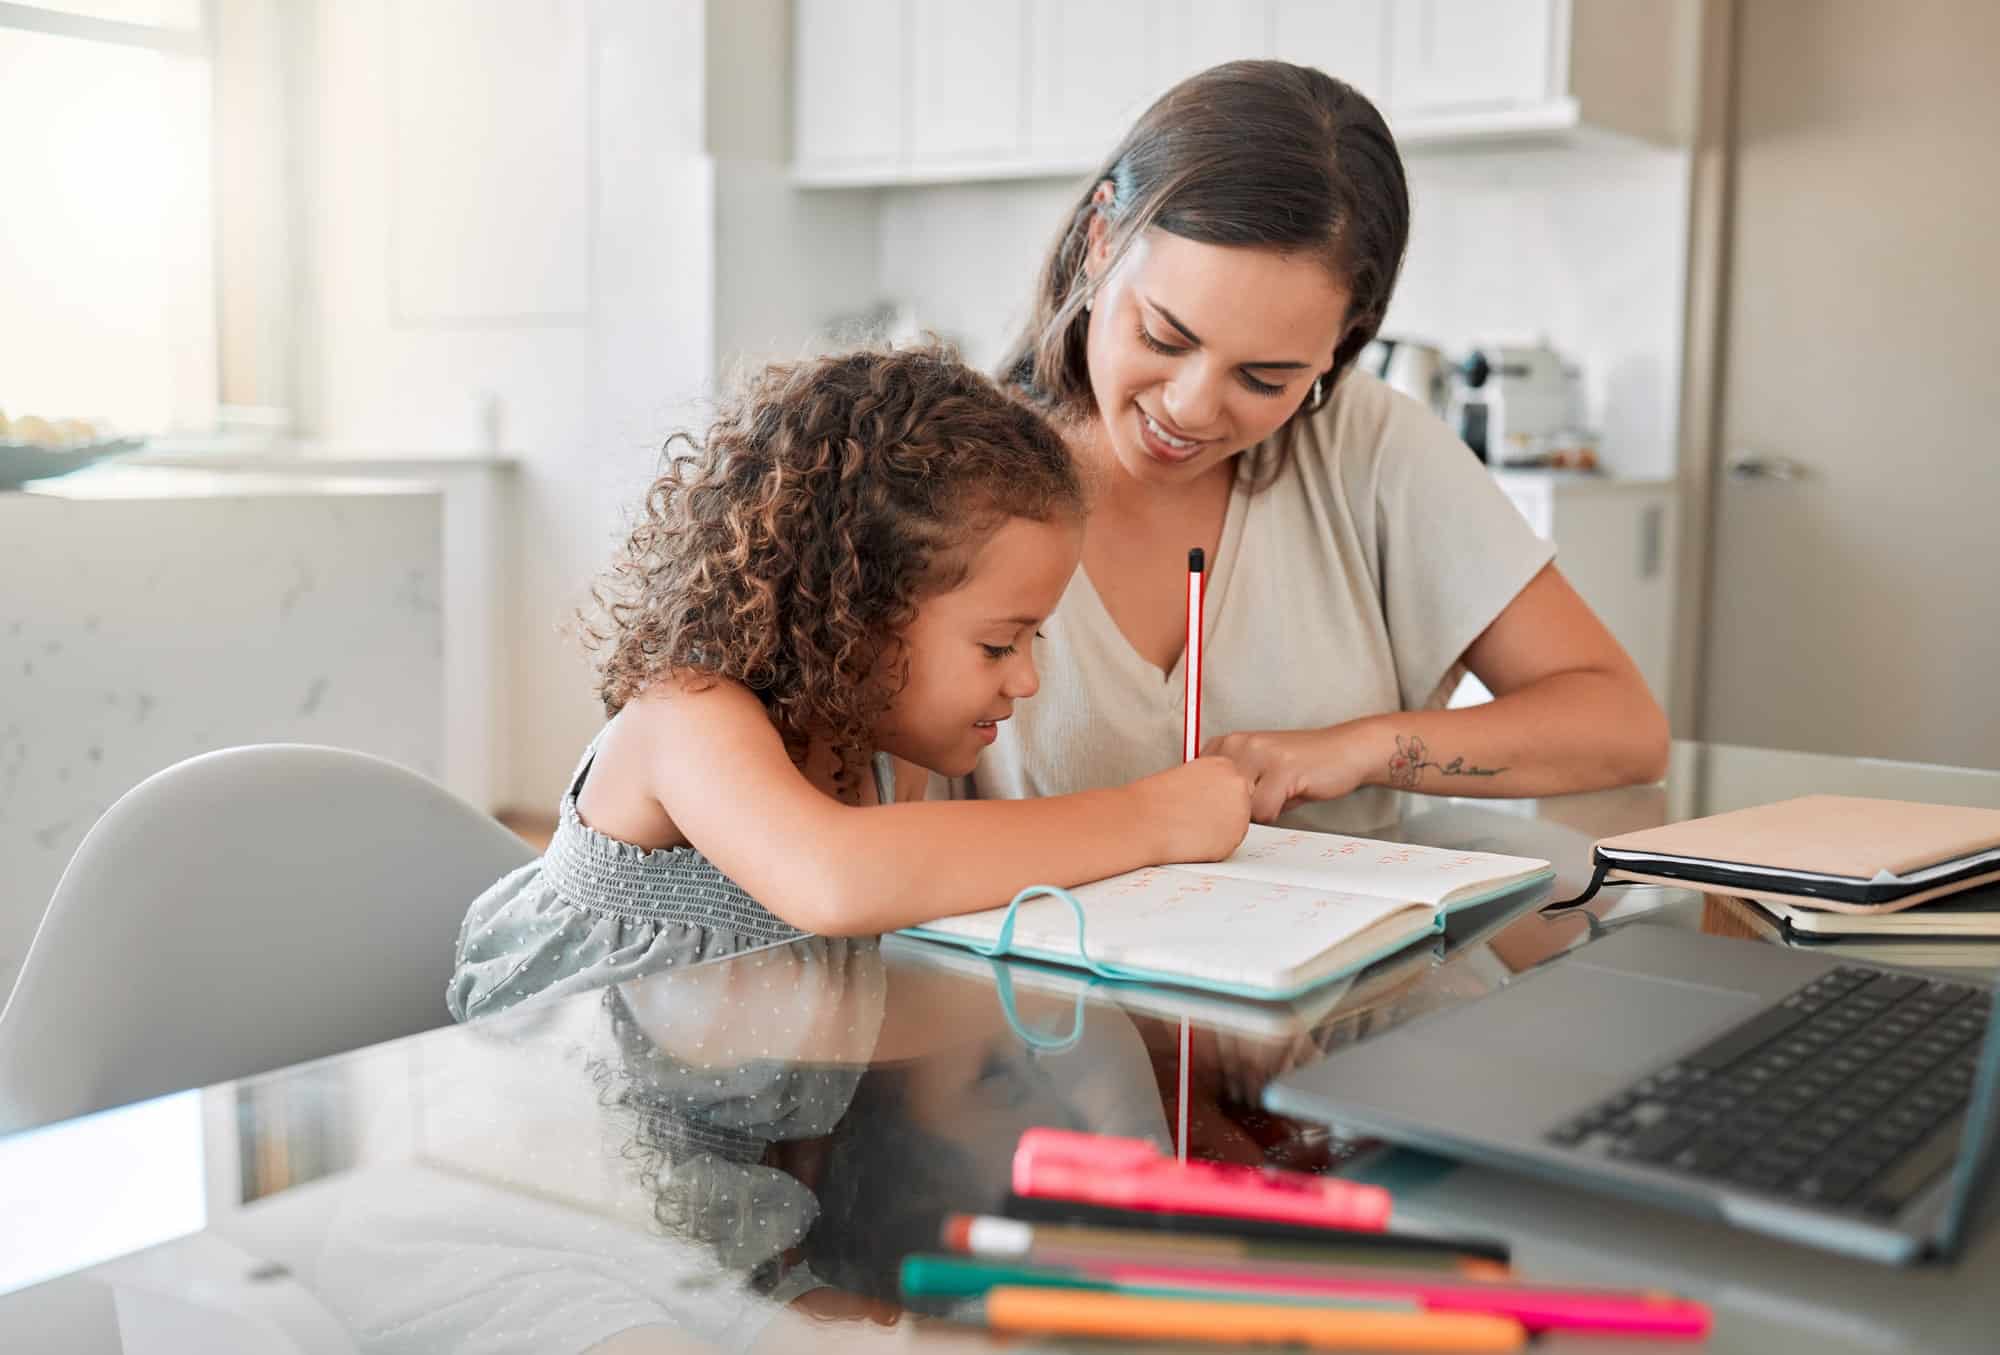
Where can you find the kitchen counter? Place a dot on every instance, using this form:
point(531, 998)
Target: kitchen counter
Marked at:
point(149, 613)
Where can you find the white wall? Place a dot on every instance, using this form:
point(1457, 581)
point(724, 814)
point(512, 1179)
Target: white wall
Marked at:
point(513, 242)
point(788, 262)
point(1585, 244)
point(966, 255)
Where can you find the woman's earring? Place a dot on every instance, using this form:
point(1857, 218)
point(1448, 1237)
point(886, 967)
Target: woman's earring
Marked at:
point(1319, 388)
point(1089, 301)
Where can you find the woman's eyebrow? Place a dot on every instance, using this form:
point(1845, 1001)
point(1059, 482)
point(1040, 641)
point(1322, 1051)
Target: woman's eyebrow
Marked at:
point(1195, 339)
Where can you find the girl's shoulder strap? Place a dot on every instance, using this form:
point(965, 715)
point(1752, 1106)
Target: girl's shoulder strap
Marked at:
point(583, 763)
point(885, 779)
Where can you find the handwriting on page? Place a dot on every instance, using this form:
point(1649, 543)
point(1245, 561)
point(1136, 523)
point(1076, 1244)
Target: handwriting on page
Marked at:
point(1165, 905)
point(1404, 870)
point(1299, 848)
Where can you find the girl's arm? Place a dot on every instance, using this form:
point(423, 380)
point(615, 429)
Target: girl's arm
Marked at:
point(1570, 712)
point(721, 773)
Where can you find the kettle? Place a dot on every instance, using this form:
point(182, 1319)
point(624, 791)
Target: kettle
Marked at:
point(1417, 369)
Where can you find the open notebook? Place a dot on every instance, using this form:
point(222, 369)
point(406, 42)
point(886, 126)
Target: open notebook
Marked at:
point(1287, 912)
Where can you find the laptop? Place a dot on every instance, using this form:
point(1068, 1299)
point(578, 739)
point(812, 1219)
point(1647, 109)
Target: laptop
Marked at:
point(1843, 1106)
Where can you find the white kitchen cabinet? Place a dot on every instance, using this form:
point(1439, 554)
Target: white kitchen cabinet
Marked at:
point(913, 91)
point(1481, 70)
point(1460, 56)
point(1614, 543)
point(1345, 38)
point(1096, 65)
point(1203, 34)
point(968, 96)
point(850, 91)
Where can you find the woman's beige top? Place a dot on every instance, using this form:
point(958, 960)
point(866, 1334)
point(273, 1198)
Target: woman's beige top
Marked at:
point(1349, 587)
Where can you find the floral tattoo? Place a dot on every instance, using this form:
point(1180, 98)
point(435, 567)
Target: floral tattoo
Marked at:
point(1406, 768)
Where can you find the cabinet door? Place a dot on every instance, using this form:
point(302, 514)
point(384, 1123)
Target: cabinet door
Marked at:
point(967, 66)
point(1204, 33)
point(849, 109)
point(1348, 39)
point(1097, 64)
point(1451, 56)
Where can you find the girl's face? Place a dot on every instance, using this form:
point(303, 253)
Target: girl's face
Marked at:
point(971, 651)
point(1197, 352)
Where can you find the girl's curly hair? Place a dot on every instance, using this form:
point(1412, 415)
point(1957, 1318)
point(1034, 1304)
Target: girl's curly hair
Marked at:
point(788, 548)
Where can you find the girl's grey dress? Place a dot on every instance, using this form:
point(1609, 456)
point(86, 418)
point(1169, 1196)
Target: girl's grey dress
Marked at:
point(593, 911)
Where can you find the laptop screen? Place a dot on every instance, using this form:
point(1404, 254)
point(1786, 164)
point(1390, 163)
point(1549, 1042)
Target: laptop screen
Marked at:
point(1971, 1175)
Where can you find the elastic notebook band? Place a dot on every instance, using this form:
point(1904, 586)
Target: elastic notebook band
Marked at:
point(1589, 891)
point(1004, 939)
point(1003, 983)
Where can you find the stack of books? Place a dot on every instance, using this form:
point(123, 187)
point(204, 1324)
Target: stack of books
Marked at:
point(1889, 881)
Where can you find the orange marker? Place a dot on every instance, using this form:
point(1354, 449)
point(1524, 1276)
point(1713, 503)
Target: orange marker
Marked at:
point(1063, 1312)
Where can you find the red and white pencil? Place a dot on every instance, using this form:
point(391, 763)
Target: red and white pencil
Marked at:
point(1191, 749)
point(1197, 576)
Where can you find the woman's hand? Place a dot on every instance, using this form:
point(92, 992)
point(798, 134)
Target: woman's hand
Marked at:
point(1200, 809)
point(1288, 767)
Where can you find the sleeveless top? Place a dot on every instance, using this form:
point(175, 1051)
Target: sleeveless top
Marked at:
point(593, 911)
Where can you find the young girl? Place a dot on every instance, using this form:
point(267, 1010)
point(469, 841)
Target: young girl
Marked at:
point(830, 597)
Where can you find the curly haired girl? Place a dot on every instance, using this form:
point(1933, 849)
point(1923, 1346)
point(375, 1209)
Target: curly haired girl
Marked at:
point(843, 577)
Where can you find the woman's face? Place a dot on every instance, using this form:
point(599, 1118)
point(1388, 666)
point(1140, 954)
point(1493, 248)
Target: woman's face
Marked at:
point(1198, 352)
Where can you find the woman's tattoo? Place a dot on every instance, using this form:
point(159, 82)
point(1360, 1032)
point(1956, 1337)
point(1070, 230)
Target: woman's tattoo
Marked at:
point(1406, 768)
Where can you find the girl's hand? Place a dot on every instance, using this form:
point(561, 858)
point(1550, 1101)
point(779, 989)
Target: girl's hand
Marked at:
point(1199, 810)
point(1288, 767)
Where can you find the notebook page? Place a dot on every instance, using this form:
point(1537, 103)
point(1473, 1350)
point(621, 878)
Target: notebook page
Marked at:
point(1250, 932)
point(1359, 865)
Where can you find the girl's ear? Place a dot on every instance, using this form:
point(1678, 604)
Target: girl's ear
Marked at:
point(1098, 232)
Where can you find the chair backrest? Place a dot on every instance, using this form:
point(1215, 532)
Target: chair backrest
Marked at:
point(237, 912)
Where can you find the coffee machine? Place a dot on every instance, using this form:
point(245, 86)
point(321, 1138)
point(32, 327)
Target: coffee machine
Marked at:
point(1510, 400)
point(1417, 369)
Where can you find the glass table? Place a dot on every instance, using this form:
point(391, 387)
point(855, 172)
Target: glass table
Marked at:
point(737, 1156)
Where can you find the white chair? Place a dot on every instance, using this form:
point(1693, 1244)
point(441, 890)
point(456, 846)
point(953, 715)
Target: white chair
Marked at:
point(237, 912)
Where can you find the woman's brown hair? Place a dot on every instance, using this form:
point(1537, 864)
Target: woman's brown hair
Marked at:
point(1262, 154)
point(789, 546)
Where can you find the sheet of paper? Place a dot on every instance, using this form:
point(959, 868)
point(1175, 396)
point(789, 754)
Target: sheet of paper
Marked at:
point(1395, 870)
point(1204, 926)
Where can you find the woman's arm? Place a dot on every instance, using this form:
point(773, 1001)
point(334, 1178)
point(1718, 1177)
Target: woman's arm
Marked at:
point(1570, 712)
point(721, 773)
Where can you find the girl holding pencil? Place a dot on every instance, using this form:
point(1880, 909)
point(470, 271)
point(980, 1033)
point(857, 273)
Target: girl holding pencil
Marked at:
point(1193, 335)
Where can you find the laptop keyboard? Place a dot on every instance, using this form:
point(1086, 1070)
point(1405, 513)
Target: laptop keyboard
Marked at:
point(1850, 1093)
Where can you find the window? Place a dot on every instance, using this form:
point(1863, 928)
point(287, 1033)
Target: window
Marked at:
point(107, 279)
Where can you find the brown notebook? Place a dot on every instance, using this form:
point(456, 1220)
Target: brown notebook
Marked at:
point(1837, 852)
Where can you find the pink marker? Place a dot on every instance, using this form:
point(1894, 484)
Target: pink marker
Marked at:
point(1059, 1164)
point(1607, 1310)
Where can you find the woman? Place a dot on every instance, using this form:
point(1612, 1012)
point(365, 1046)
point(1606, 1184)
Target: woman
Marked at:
point(1194, 334)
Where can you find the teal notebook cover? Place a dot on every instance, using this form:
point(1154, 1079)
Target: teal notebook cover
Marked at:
point(1288, 912)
